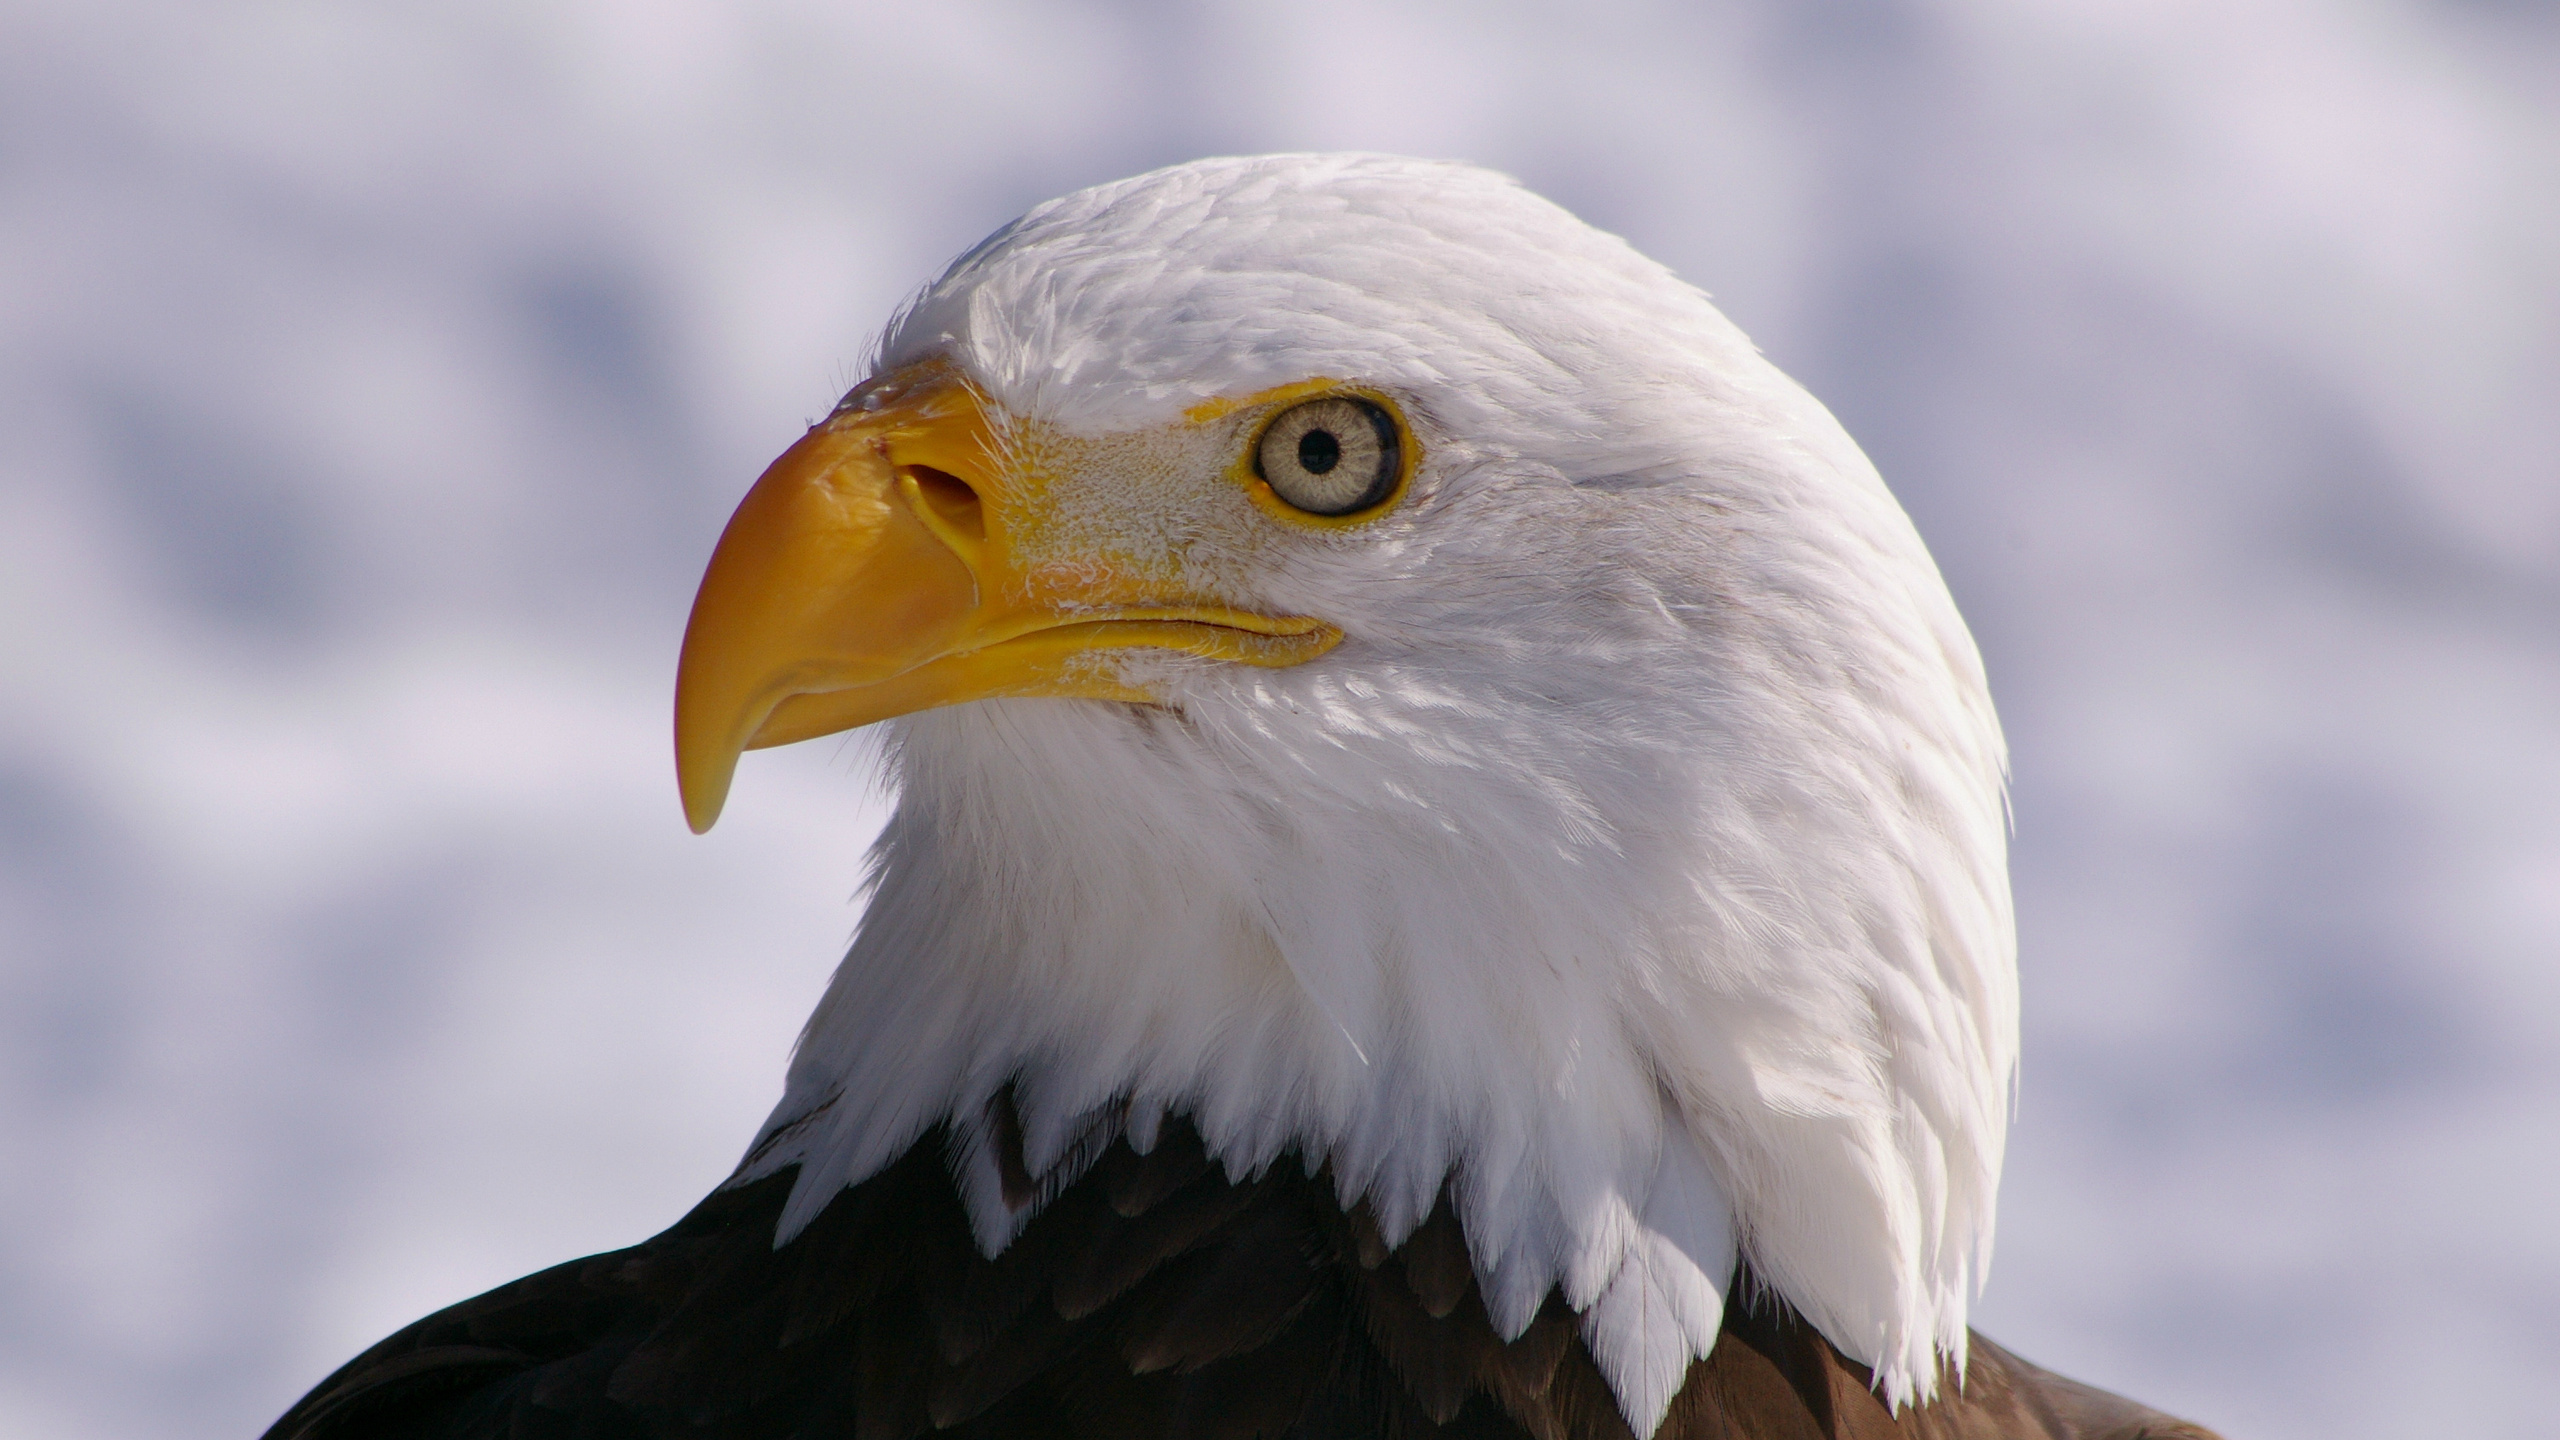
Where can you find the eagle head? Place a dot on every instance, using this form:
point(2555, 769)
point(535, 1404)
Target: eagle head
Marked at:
point(1379, 668)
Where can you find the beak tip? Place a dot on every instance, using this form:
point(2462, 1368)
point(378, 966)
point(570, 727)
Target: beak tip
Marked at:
point(705, 767)
point(704, 789)
point(700, 818)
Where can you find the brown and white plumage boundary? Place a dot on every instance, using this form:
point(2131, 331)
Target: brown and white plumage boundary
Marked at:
point(1153, 1297)
point(1584, 834)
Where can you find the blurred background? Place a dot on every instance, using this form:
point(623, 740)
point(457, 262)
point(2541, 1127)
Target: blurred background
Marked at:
point(374, 380)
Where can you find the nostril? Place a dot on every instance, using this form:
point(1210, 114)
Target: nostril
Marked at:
point(950, 499)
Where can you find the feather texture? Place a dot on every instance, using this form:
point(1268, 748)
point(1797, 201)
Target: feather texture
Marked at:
point(1269, 1326)
point(1633, 872)
point(1427, 1037)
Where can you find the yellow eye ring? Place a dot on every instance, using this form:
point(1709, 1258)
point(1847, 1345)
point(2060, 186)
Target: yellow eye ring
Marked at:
point(1331, 461)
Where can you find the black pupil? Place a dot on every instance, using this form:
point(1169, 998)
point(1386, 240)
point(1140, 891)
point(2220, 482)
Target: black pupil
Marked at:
point(1318, 451)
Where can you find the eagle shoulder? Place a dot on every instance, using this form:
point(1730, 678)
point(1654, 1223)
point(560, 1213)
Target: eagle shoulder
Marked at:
point(1154, 1297)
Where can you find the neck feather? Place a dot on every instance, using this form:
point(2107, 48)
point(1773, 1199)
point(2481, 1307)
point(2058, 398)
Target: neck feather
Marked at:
point(1630, 1057)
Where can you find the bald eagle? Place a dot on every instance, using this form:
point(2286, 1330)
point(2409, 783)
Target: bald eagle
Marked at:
point(1448, 877)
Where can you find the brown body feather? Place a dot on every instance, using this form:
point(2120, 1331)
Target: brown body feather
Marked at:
point(1151, 1298)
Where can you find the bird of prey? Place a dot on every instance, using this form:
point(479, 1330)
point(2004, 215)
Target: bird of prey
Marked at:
point(1448, 878)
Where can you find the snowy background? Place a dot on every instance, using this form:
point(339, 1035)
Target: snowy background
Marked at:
point(374, 380)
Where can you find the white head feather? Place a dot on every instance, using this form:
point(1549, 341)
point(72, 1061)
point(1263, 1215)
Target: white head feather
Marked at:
point(1635, 865)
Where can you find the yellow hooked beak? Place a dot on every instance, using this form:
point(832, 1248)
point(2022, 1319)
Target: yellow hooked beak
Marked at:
point(880, 567)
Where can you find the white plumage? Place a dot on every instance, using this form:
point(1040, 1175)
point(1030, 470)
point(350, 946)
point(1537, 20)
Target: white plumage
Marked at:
point(1635, 864)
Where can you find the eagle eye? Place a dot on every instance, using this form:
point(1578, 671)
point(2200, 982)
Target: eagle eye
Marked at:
point(1335, 456)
